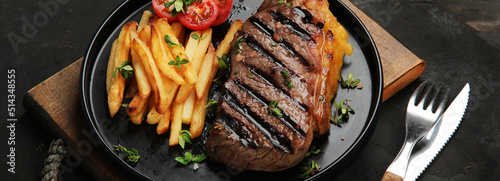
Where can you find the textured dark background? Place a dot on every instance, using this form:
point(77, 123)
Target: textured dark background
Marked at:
point(459, 40)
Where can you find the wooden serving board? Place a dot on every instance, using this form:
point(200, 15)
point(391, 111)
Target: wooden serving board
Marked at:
point(57, 106)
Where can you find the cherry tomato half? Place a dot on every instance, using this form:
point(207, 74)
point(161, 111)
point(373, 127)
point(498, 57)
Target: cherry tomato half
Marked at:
point(199, 15)
point(225, 7)
point(163, 12)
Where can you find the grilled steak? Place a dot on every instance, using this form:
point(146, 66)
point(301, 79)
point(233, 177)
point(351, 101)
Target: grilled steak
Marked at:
point(284, 73)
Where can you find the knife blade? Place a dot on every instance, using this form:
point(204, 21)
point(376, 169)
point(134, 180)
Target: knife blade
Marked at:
point(427, 149)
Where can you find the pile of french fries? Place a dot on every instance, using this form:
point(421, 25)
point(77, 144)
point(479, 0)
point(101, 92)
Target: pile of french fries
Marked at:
point(161, 93)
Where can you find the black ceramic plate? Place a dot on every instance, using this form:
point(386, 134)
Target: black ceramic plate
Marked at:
point(157, 158)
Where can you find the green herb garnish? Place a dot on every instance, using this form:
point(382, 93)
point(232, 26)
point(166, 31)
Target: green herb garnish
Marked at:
point(250, 75)
point(288, 82)
point(350, 82)
point(170, 42)
point(238, 46)
point(197, 37)
point(178, 62)
point(313, 150)
point(125, 69)
point(184, 138)
point(124, 104)
point(309, 170)
point(285, 3)
point(274, 44)
point(188, 157)
point(179, 5)
point(273, 107)
point(222, 61)
point(342, 112)
point(133, 156)
point(210, 103)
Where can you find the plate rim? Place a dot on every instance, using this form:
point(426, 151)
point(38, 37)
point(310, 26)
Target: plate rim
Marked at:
point(88, 66)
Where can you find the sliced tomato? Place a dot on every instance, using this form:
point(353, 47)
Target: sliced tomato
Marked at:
point(162, 11)
point(225, 7)
point(199, 15)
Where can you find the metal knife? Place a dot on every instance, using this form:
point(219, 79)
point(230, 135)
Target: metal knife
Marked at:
point(427, 149)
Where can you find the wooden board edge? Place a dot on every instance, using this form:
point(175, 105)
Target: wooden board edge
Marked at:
point(53, 127)
point(391, 88)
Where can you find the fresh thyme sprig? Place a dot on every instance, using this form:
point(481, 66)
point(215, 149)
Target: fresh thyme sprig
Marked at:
point(125, 69)
point(184, 138)
point(133, 156)
point(350, 82)
point(197, 37)
point(179, 5)
point(238, 46)
point(273, 107)
point(288, 82)
point(313, 150)
point(309, 170)
point(342, 112)
point(210, 103)
point(285, 3)
point(188, 157)
point(170, 42)
point(178, 62)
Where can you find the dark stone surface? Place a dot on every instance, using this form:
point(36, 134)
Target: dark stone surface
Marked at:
point(444, 33)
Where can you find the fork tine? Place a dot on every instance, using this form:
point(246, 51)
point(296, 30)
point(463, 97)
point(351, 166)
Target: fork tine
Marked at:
point(417, 92)
point(433, 102)
point(421, 102)
point(440, 108)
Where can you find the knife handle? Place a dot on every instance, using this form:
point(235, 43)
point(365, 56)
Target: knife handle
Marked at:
point(388, 176)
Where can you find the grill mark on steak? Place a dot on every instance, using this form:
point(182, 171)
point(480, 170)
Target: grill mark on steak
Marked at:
point(259, 49)
point(306, 16)
point(285, 118)
point(273, 82)
point(236, 127)
point(277, 139)
point(263, 27)
point(291, 25)
point(295, 34)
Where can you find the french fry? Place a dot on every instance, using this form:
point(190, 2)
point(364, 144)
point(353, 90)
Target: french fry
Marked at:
point(187, 110)
point(206, 38)
point(196, 60)
point(189, 75)
point(137, 108)
point(198, 119)
point(164, 123)
point(204, 73)
point(153, 116)
point(146, 15)
point(179, 31)
point(154, 76)
point(117, 86)
point(192, 44)
point(176, 124)
point(141, 76)
point(162, 56)
point(132, 89)
point(225, 44)
point(111, 65)
point(145, 35)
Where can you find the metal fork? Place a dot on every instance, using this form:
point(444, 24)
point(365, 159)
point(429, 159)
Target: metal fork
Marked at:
point(419, 120)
